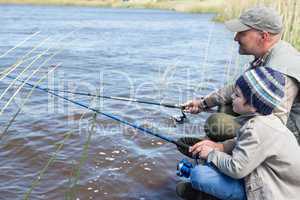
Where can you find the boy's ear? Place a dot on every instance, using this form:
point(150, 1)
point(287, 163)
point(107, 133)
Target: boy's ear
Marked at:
point(251, 108)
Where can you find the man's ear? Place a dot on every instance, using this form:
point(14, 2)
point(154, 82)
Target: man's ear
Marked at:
point(265, 36)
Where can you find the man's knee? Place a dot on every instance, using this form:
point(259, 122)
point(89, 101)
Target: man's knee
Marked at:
point(220, 127)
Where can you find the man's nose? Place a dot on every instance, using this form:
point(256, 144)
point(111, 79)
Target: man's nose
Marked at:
point(236, 37)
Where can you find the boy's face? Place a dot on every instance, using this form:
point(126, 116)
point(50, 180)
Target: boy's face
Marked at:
point(239, 103)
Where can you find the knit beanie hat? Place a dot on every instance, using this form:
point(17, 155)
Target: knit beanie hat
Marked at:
point(263, 88)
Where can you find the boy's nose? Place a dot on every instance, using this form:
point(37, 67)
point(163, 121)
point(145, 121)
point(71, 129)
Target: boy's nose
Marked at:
point(233, 96)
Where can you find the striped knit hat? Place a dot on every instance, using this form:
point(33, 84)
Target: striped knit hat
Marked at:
point(263, 88)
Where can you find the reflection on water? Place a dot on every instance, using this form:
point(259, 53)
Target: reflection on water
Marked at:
point(155, 55)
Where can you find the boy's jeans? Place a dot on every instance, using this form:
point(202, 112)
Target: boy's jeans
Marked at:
point(208, 179)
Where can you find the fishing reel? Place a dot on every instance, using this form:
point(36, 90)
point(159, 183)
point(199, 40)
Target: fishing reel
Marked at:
point(184, 168)
point(180, 119)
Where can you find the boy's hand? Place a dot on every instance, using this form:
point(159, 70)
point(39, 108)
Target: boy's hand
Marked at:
point(204, 147)
point(205, 150)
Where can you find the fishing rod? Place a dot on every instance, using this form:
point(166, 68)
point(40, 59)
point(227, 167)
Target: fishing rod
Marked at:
point(179, 143)
point(179, 119)
point(118, 98)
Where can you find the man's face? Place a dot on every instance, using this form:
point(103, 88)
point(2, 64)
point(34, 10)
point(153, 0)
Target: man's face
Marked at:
point(250, 42)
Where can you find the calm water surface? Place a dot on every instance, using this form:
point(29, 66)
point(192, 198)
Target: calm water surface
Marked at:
point(155, 55)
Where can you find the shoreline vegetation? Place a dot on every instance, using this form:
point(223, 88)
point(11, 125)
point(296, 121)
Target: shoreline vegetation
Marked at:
point(224, 9)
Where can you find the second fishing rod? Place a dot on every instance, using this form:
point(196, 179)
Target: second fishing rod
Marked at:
point(119, 98)
point(178, 119)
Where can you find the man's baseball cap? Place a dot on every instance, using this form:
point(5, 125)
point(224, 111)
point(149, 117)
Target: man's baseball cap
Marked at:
point(260, 18)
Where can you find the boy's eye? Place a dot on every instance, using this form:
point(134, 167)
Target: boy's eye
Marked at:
point(235, 93)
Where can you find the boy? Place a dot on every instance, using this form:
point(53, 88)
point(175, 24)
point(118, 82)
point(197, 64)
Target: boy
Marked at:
point(263, 158)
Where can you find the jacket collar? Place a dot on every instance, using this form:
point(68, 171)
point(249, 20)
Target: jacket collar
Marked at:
point(242, 119)
point(263, 60)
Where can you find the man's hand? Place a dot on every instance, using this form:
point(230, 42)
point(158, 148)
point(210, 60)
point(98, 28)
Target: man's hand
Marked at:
point(195, 106)
point(204, 147)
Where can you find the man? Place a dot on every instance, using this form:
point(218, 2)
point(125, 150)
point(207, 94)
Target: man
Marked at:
point(258, 33)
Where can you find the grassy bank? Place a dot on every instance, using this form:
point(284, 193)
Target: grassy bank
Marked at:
point(192, 6)
point(226, 9)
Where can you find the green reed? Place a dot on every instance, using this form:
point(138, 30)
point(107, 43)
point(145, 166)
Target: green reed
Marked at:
point(25, 101)
point(71, 194)
point(52, 159)
point(59, 146)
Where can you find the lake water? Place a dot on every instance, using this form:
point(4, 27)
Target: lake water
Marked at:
point(160, 56)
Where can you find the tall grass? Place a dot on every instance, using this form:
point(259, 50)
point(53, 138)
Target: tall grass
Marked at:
point(191, 6)
point(289, 9)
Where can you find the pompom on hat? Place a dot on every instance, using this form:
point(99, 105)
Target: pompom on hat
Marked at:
point(263, 88)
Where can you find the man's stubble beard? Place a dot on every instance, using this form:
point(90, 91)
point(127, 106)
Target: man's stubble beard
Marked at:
point(243, 51)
